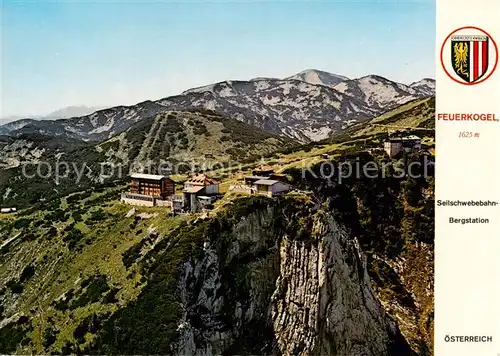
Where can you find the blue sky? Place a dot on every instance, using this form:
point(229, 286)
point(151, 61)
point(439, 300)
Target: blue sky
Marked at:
point(97, 53)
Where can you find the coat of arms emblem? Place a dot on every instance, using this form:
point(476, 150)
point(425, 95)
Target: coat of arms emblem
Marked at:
point(469, 55)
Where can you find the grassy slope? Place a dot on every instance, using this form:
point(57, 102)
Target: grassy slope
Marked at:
point(418, 113)
point(104, 243)
point(185, 136)
point(99, 250)
point(60, 267)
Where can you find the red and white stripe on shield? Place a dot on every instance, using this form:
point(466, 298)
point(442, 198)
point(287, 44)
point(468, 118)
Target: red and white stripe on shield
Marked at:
point(478, 59)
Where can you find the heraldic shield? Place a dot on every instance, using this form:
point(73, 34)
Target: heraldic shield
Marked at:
point(469, 56)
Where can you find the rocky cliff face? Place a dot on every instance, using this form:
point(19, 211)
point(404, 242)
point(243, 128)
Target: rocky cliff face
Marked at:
point(281, 282)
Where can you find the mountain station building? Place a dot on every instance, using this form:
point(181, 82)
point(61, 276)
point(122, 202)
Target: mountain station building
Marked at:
point(271, 187)
point(149, 190)
point(263, 186)
point(199, 192)
point(394, 145)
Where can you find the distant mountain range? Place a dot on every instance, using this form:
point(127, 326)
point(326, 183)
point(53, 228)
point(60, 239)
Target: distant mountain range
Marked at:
point(308, 106)
point(72, 111)
point(64, 113)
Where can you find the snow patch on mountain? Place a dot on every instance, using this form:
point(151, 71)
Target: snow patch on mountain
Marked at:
point(15, 125)
point(378, 92)
point(201, 89)
point(318, 77)
point(317, 134)
point(426, 86)
point(108, 126)
point(262, 85)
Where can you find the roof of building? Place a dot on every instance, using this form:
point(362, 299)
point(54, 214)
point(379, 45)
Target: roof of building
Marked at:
point(201, 179)
point(7, 210)
point(147, 176)
point(405, 138)
point(412, 137)
point(269, 182)
point(194, 189)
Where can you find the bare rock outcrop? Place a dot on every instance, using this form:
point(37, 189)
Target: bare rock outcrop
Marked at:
point(270, 286)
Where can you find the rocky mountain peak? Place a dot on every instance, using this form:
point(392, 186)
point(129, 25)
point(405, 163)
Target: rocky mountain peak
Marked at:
point(308, 106)
point(318, 77)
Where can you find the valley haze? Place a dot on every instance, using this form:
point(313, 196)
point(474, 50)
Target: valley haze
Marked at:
point(245, 178)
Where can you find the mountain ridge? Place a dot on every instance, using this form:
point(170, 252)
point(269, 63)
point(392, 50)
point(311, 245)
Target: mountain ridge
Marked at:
point(173, 141)
point(292, 107)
